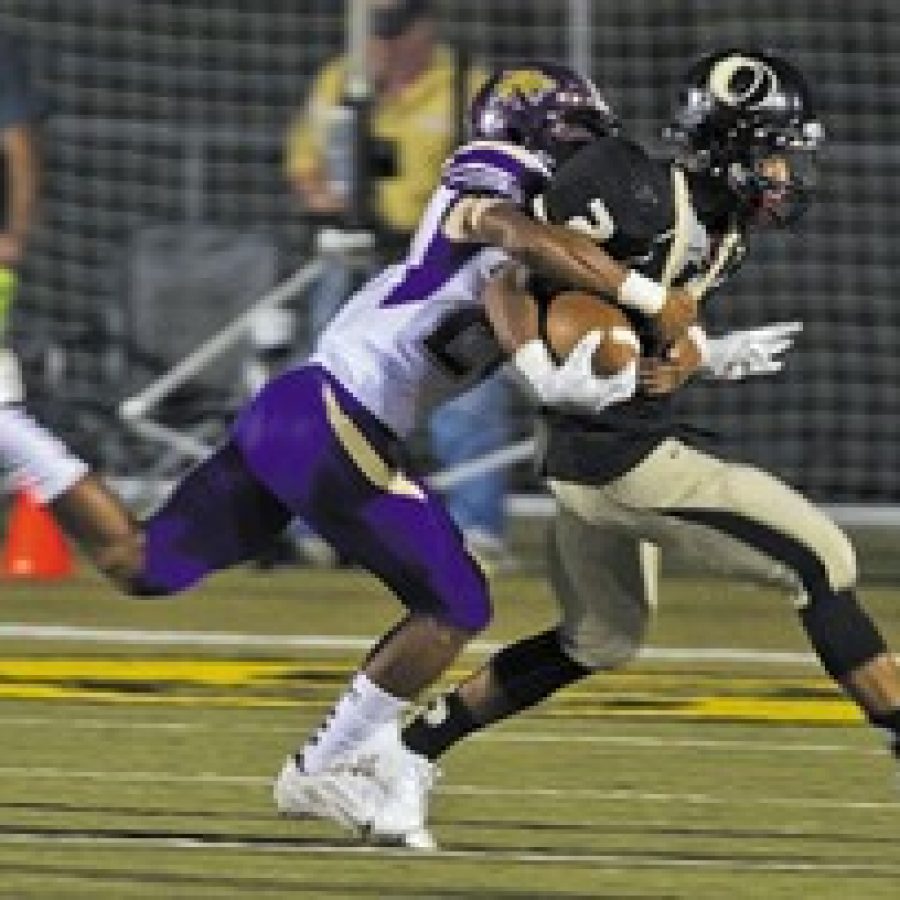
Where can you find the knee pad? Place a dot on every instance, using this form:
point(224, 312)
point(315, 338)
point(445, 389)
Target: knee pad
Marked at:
point(841, 632)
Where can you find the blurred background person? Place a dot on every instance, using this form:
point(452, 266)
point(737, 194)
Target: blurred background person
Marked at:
point(413, 121)
point(412, 80)
point(21, 110)
point(414, 116)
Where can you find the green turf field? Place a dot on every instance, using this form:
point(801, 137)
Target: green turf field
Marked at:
point(139, 739)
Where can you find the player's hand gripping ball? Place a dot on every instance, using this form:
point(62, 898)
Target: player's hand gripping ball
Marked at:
point(573, 314)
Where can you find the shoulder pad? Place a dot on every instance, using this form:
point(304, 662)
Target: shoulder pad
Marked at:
point(495, 168)
point(615, 192)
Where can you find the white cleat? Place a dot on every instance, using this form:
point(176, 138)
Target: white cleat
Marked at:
point(379, 791)
point(408, 778)
point(341, 795)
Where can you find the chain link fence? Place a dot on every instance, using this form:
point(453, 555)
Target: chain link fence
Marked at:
point(173, 113)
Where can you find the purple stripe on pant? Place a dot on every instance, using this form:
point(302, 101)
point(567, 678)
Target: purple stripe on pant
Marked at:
point(284, 459)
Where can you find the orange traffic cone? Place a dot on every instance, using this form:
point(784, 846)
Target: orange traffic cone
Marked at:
point(35, 546)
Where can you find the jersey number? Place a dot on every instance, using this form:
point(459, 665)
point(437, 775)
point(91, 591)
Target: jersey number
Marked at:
point(463, 344)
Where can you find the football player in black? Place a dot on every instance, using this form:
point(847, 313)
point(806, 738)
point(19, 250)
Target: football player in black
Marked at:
point(632, 480)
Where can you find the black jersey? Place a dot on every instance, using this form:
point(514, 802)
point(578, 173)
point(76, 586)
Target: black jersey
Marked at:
point(645, 214)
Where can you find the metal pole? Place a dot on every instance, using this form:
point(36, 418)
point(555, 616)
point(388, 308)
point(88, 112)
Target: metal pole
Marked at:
point(581, 57)
point(358, 87)
point(358, 99)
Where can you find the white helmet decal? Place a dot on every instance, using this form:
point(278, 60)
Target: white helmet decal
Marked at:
point(742, 81)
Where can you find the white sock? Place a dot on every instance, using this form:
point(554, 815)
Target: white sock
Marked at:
point(363, 707)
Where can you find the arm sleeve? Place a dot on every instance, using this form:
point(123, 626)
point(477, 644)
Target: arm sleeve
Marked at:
point(494, 169)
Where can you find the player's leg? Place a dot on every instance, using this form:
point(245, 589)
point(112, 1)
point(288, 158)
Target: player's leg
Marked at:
point(177, 546)
point(605, 583)
point(37, 459)
point(360, 500)
point(103, 526)
point(219, 515)
point(354, 492)
point(744, 521)
point(85, 507)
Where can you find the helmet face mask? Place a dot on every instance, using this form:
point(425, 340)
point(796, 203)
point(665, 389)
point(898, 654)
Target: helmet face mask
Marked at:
point(775, 187)
point(546, 108)
point(739, 110)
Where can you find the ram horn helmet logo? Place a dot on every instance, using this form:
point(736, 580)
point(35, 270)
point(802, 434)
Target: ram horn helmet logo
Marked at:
point(741, 81)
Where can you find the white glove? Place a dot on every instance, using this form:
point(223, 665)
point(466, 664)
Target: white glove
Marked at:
point(573, 383)
point(753, 351)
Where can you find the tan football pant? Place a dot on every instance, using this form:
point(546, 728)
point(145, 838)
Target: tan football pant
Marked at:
point(607, 541)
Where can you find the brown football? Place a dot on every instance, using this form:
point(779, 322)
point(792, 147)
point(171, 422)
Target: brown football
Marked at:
point(573, 314)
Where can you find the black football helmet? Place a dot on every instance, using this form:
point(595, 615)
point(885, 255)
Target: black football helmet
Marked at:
point(738, 108)
point(545, 107)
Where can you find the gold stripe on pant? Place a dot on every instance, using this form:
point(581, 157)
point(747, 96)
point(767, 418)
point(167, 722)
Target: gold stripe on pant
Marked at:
point(607, 541)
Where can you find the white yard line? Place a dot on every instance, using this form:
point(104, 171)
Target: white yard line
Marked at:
point(608, 860)
point(647, 742)
point(460, 790)
point(341, 642)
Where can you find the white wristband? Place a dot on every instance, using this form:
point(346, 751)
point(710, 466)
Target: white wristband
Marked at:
point(642, 293)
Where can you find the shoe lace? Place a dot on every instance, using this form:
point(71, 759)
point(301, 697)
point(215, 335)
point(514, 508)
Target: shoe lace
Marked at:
point(364, 765)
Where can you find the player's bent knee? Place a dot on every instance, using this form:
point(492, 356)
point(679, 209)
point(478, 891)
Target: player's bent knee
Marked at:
point(830, 565)
point(472, 613)
point(825, 559)
point(610, 650)
point(465, 604)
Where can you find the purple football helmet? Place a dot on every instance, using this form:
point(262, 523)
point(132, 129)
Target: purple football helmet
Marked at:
point(544, 107)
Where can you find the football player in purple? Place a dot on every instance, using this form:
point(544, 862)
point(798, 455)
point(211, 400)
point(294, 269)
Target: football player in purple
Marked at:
point(325, 441)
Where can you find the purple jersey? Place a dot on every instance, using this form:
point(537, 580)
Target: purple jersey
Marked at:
point(321, 441)
point(413, 336)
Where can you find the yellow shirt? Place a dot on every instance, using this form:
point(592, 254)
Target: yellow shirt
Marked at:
point(419, 120)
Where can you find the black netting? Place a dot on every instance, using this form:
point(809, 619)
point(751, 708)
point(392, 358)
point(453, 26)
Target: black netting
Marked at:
point(164, 110)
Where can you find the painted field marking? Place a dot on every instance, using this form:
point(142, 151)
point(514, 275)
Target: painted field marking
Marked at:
point(277, 684)
point(609, 860)
point(490, 737)
point(461, 790)
point(340, 642)
point(288, 684)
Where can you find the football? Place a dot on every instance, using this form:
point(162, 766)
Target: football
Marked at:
point(573, 314)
